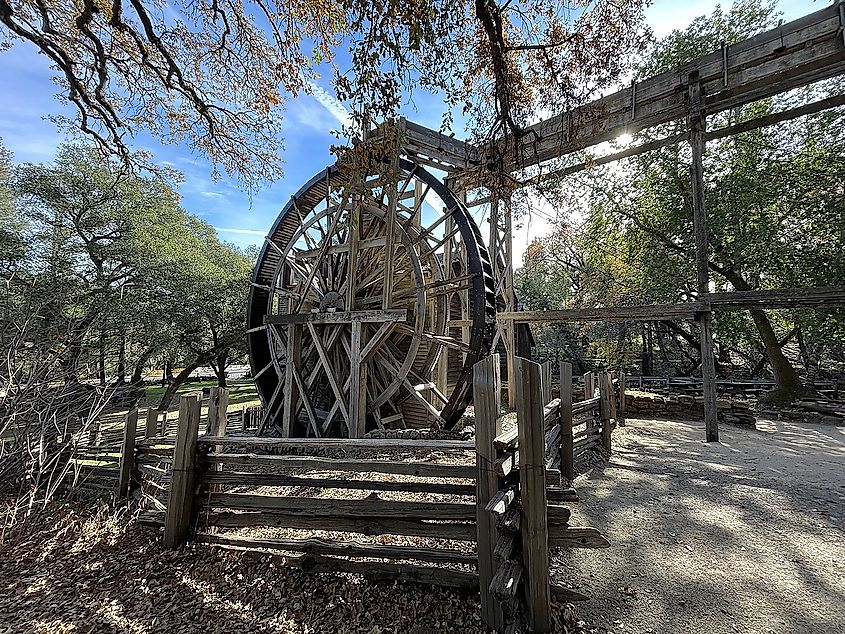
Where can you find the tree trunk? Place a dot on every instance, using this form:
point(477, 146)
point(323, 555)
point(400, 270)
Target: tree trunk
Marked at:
point(177, 382)
point(220, 368)
point(647, 361)
point(101, 362)
point(121, 359)
point(788, 384)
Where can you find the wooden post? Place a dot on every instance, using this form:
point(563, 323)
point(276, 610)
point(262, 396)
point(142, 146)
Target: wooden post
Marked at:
point(532, 482)
point(177, 517)
point(163, 428)
point(567, 454)
point(151, 428)
point(218, 403)
point(357, 384)
point(589, 386)
point(293, 356)
point(622, 399)
point(605, 395)
point(697, 122)
point(487, 396)
point(611, 396)
point(546, 373)
point(127, 454)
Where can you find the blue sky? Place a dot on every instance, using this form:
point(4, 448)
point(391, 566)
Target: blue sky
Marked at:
point(30, 95)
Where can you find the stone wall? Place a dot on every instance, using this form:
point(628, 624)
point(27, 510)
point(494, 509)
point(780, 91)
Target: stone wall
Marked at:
point(648, 405)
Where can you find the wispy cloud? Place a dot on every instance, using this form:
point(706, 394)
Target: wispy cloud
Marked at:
point(248, 232)
point(212, 195)
point(332, 104)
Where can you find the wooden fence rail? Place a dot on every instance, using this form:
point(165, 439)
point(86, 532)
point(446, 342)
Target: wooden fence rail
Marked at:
point(506, 494)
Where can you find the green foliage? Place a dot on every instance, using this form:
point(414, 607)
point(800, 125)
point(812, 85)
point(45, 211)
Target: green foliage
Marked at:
point(116, 272)
point(775, 205)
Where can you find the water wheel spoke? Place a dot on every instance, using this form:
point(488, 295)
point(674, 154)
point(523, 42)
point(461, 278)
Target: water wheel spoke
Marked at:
point(328, 368)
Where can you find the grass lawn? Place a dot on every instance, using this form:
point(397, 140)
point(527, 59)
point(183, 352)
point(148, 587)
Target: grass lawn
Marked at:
point(240, 393)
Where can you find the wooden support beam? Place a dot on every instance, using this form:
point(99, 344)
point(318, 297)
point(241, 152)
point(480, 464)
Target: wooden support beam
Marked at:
point(704, 318)
point(340, 317)
point(291, 393)
point(177, 517)
point(532, 483)
point(357, 385)
point(794, 54)
point(487, 398)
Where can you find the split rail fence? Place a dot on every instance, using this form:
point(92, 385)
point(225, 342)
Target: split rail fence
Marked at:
point(477, 515)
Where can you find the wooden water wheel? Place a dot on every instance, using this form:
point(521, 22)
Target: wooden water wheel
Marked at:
point(371, 300)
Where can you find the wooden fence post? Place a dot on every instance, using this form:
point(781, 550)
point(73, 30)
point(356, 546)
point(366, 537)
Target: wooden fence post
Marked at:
point(218, 403)
point(605, 396)
point(487, 396)
point(163, 429)
point(589, 386)
point(566, 449)
point(532, 482)
point(177, 517)
point(622, 403)
point(546, 374)
point(127, 454)
point(151, 428)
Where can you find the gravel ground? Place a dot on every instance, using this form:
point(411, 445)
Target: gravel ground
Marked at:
point(741, 536)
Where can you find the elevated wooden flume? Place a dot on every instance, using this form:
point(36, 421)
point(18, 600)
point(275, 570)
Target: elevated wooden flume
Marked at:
point(333, 353)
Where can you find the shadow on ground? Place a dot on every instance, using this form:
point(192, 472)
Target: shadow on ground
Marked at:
point(745, 535)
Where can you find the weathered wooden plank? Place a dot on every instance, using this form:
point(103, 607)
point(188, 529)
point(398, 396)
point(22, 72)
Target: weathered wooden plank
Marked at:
point(341, 317)
point(333, 507)
point(568, 594)
point(504, 547)
point(698, 126)
point(348, 548)
point(760, 66)
point(151, 429)
point(237, 478)
point(461, 531)
point(405, 444)
point(378, 571)
point(506, 580)
point(582, 407)
point(422, 469)
point(561, 536)
point(500, 502)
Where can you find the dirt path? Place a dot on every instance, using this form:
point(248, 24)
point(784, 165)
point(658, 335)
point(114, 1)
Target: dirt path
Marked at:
point(742, 536)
